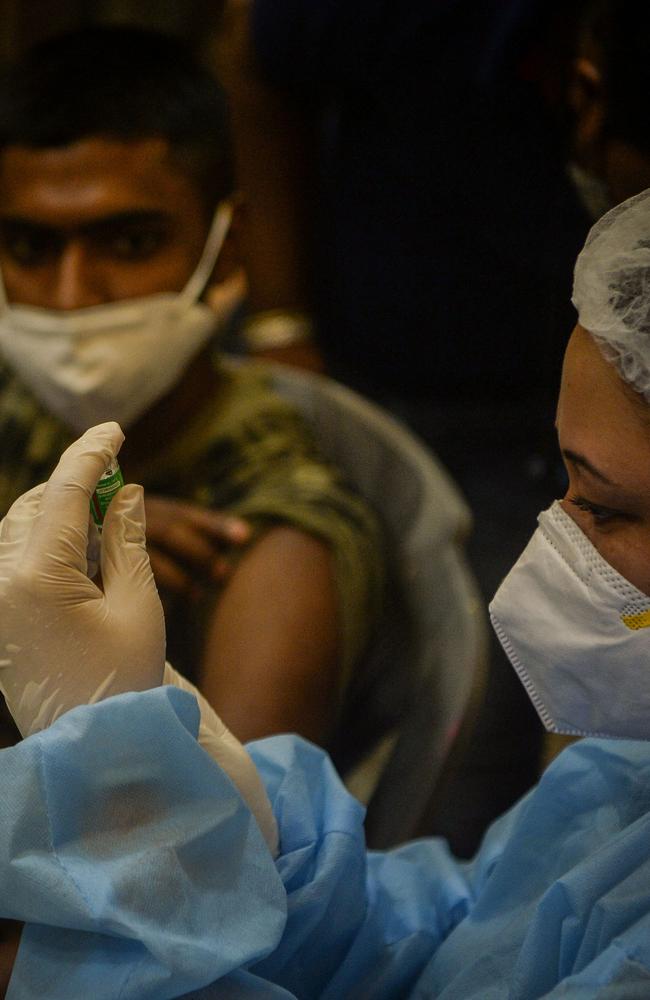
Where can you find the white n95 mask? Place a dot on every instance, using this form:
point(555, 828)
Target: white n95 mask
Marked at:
point(577, 633)
point(113, 361)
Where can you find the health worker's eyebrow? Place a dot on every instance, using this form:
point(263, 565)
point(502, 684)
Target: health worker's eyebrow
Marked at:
point(574, 458)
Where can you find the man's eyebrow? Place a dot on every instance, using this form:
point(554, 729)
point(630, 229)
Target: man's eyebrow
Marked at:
point(145, 216)
point(129, 217)
point(18, 220)
point(583, 463)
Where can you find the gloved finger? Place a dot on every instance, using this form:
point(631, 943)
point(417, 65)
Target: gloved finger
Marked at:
point(18, 522)
point(126, 571)
point(67, 494)
point(58, 578)
point(15, 529)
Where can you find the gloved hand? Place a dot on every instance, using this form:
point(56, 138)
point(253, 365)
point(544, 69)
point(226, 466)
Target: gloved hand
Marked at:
point(63, 641)
point(224, 748)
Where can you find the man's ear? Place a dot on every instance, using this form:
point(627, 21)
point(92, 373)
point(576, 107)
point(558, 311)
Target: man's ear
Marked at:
point(231, 257)
point(586, 101)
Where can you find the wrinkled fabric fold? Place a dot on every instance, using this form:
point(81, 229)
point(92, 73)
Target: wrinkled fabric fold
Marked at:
point(556, 903)
point(132, 857)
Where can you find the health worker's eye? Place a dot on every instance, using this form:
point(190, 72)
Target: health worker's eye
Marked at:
point(600, 514)
point(28, 246)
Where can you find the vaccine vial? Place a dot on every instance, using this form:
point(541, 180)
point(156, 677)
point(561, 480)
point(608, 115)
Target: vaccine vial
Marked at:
point(109, 483)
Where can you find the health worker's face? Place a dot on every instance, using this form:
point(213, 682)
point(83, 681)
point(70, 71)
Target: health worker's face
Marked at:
point(97, 221)
point(604, 435)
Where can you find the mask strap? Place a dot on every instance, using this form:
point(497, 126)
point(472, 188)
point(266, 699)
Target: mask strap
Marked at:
point(213, 244)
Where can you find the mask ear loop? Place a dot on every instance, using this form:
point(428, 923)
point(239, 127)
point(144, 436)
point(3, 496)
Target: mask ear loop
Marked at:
point(218, 231)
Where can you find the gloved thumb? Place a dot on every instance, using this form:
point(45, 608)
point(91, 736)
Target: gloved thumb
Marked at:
point(226, 750)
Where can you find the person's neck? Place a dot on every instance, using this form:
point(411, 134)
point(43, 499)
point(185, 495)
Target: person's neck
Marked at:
point(166, 418)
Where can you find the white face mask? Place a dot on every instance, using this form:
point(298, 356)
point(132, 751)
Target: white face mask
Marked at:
point(577, 633)
point(113, 361)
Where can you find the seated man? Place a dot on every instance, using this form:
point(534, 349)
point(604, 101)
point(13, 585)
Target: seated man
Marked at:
point(117, 211)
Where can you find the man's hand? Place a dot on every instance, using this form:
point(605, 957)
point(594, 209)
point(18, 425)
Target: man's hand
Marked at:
point(188, 544)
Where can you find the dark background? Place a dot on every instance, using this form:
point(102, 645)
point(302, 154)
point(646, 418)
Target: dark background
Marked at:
point(23, 22)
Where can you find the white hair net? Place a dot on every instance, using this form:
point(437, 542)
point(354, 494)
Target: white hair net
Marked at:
point(611, 289)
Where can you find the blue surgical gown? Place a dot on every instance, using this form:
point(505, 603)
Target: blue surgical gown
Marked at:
point(140, 873)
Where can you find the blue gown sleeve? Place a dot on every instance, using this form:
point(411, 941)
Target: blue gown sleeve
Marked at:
point(141, 873)
point(138, 869)
point(359, 924)
point(555, 904)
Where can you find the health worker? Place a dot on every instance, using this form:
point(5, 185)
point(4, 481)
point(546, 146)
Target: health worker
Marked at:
point(134, 860)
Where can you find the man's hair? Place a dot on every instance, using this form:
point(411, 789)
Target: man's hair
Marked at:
point(620, 31)
point(125, 83)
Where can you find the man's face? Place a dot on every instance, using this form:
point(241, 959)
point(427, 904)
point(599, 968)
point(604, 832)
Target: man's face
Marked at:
point(97, 221)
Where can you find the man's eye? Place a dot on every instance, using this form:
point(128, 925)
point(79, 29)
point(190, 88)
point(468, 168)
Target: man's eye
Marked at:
point(28, 247)
point(601, 515)
point(136, 245)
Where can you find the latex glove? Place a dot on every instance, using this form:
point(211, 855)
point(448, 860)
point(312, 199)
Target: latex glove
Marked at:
point(63, 641)
point(224, 748)
point(187, 542)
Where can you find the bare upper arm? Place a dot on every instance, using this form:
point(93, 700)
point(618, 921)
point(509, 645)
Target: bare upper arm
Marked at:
point(272, 656)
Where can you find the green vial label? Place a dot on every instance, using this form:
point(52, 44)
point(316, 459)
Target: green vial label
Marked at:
point(109, 483)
